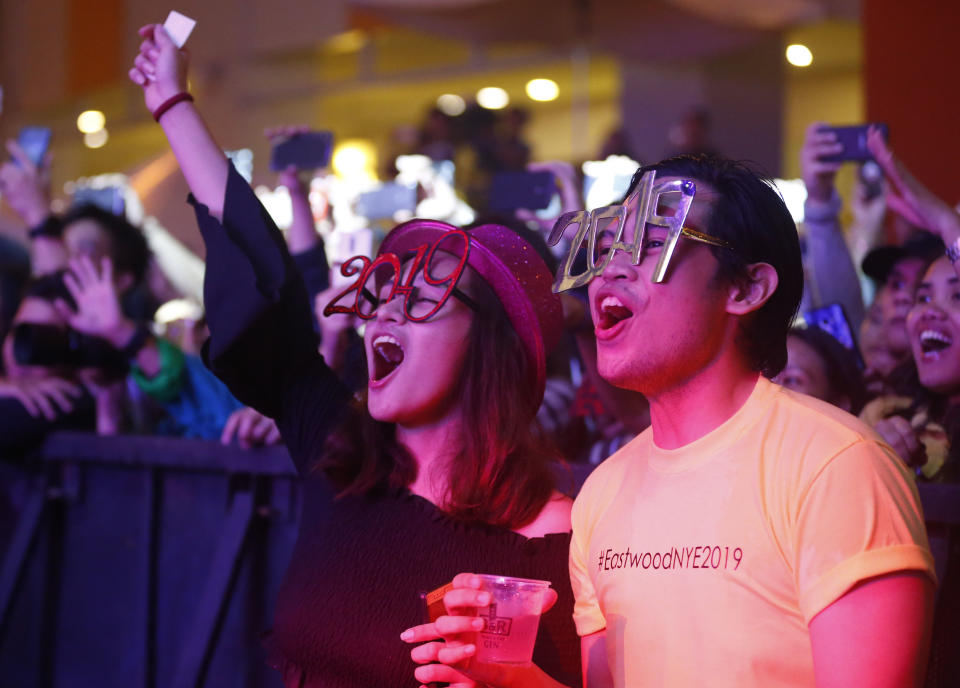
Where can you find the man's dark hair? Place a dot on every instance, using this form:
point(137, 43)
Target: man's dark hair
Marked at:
point(129, 251)
point(749, 214)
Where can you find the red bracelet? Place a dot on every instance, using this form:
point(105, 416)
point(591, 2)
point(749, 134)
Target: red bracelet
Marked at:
point(169, 103)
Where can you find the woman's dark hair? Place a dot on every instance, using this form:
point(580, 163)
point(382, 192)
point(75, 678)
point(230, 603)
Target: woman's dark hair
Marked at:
point(128, 247)
point(749, 214)
point(501, 473)
point(839, 364)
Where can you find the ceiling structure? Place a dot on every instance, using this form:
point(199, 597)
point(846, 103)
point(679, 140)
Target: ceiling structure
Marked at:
point(266, 57)
point(644, 29)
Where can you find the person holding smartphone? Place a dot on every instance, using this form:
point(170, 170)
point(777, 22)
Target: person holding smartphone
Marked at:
point(436, 468)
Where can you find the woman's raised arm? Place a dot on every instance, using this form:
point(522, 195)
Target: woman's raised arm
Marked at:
point(160, 69)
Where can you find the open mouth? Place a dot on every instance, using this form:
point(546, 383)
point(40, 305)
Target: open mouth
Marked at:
point(387, 355)
point(611, 312)
point(933, 342)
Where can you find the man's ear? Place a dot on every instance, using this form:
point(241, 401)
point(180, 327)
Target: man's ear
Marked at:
point(749, 294)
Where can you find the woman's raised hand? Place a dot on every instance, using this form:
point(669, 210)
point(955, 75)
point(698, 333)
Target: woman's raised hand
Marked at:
point(910, 198)
point(160, 68)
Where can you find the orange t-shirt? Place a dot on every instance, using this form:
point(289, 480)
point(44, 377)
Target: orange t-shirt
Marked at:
point(706, 563)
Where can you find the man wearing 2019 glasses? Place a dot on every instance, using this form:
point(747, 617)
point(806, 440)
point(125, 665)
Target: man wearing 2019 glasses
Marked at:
point(752, 536)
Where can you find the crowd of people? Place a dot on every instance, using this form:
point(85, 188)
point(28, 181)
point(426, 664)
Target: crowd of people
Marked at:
point(721, 359)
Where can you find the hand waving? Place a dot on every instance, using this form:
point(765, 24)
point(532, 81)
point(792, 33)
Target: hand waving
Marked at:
point(98, 307)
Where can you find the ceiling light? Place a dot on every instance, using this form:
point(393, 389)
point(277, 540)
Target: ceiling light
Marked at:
point(91, 121)
point(492, 98)
point(354, 159)
point(799, 55)
point(451, 104)
point(96, 139)
point(543, 89)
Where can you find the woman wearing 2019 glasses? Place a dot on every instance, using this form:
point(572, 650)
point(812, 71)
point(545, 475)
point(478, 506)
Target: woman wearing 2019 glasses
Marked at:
point(437, 469)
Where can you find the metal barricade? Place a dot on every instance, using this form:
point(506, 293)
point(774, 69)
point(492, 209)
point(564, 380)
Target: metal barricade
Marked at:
point(154, 562)
point(144, 561)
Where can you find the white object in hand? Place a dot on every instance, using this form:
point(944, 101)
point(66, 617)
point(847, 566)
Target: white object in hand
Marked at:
point(179, 27)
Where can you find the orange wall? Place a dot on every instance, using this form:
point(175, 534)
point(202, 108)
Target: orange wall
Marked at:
point(911, 67)
point(95, 45)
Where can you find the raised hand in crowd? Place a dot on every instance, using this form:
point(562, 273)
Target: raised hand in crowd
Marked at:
point(869, 210)
point(98, 312)
point(250, 428)
point(449, 644)
point(302, 234)
point(160, 69)
point(567, 186)
point(908, 197)
point(46, 397)
point(26, 188)
point(25, 185)
point(819, 175)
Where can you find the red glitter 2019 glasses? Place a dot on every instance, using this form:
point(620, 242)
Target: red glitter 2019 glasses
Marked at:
point(387, 268)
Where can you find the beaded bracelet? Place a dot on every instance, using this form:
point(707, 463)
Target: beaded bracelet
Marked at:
point(169, 103)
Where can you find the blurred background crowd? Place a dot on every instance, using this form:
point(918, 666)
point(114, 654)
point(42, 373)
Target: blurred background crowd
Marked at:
point(101, 310)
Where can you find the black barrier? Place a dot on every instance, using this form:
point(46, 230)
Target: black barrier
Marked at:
point(154, 562)
point(143, 561)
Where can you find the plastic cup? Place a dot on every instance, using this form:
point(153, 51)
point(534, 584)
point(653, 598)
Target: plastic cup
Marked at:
point(511, 619)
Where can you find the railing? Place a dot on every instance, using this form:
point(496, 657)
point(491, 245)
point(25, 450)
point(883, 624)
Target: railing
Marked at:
point(143, 561)
point(154, 562)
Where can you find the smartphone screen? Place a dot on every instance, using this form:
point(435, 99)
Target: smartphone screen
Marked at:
point(34, 141)
point(854, 141)
point(109, 198)
point(530, 190)
point(832, 320)
point(386, 201)
point(310, 151)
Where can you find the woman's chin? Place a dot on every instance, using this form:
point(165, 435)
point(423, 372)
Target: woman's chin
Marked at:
point(938, 381)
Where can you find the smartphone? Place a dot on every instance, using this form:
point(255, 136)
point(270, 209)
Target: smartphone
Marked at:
point(387, 200)
point(854, 141)
point(35, 141)
point(309, 151)
point(832, 320)
point(109, 198)
point(530, 190)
